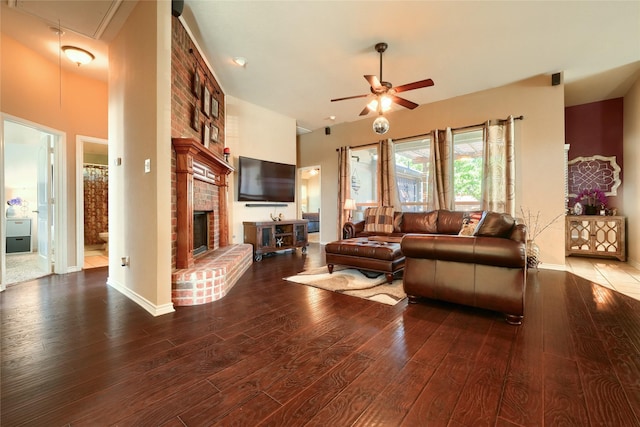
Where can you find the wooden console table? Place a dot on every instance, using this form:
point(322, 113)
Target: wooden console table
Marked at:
point(596, 236)
point(273, 236)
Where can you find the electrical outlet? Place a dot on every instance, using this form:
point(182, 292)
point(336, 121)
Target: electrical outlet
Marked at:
point(147, 165)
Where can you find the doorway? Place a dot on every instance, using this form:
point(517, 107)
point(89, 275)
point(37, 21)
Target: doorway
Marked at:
point(92, 204)
point(309, 196)
point(31, 155)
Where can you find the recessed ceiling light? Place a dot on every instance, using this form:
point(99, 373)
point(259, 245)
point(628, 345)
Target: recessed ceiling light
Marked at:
point(240, 60)
point(78, 55)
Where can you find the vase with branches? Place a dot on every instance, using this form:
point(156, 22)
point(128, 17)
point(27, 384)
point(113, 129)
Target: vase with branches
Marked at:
point(535, 227)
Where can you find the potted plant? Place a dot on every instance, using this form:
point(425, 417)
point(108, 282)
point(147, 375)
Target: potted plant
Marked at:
point(593, 200)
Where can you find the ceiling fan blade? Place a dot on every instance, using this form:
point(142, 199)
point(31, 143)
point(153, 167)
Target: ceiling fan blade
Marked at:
point(404, 102)
point(365, 111)
point(414, 85)
point(350, 97)
point(373, 81)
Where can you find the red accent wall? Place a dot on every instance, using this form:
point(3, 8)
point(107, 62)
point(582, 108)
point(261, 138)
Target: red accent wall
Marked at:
point(597, 128)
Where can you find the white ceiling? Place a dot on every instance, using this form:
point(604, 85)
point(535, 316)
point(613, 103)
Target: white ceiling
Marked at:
point(302, 54)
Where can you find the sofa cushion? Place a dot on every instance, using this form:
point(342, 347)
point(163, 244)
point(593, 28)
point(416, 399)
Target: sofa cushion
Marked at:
point(420, 222)
point(379, 219)
point(496, 224)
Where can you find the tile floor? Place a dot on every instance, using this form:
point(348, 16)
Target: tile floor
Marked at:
point(613, 274)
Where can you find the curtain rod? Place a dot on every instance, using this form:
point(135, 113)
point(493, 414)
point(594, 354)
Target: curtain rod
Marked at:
point(459, 128)
point(428, 134)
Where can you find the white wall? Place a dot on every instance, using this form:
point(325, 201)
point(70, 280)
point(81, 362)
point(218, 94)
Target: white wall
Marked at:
point(140, 129)
point(631, 184)
point(539, 148)
point(256, 132)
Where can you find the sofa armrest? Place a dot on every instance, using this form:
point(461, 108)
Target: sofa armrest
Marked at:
point(351, 229)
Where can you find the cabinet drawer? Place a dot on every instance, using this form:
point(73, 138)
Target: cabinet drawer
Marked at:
point(18, 244)
point(18, 227)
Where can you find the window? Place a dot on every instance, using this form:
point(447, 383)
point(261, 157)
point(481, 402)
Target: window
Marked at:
point(412, 171)
point(364, 183)
point(413, 159)
point(467, 169)
point(412, 174)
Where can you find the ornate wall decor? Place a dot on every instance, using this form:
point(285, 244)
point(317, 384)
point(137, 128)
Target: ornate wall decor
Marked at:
point(586, 173)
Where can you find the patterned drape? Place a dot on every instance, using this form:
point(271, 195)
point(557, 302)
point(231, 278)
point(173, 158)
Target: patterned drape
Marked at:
point(387, 182)
point(96, 202)
point(498, 193)
point(344, 185)
point(441, 170)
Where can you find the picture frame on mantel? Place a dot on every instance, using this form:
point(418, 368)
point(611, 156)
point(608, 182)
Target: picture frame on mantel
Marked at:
point(195, 86)
point(195, 118)
point(214, 107)
point(206, 131)
point(206, 101)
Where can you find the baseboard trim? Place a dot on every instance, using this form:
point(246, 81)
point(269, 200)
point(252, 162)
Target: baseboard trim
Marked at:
point(74, 269)
point(556, 267)
point(155, 310)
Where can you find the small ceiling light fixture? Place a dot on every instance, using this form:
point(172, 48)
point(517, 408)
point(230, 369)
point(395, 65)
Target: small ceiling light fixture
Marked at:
point(77, 55)
point(240, 61)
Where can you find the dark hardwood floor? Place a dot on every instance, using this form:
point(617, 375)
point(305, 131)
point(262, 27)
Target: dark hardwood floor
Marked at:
point(76, 352)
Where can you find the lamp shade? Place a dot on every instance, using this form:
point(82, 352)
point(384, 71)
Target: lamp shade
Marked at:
point(349, 205)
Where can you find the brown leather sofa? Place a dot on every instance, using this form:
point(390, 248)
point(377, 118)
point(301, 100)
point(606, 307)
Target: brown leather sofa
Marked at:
point(485, 270)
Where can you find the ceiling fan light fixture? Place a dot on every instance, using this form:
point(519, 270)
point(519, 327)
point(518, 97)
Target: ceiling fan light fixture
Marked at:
point(373, 105)
point(78, 55)
point(381, 125)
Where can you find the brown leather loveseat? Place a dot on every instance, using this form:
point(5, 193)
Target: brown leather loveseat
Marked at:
point(486, 269)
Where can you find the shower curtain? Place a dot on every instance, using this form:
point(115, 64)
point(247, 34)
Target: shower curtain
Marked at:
point(96, 202)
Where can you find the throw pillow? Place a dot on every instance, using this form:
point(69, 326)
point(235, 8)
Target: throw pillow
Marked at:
point(471, 223)
point(379, 220)
point(496, 224)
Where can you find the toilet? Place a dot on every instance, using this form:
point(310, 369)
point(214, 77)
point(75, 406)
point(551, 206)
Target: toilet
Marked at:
point(105, 238)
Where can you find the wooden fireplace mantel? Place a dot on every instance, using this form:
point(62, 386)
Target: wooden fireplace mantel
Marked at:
point(195, 161)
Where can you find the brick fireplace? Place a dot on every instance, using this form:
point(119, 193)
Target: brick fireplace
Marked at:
point(201, 186)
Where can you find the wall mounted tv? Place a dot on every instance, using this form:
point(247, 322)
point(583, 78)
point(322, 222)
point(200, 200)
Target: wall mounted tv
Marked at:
point(264, 181)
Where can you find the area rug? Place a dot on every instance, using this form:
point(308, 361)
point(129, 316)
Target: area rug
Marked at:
point(352, 282)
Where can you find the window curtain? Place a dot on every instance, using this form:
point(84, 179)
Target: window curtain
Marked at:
point(387, 182)
point(498, 193)
point(441, 170)
point(344, 185)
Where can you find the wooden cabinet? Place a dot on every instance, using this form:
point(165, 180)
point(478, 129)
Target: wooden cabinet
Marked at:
point(18, 235)
point(273, 236)
point(596, 236)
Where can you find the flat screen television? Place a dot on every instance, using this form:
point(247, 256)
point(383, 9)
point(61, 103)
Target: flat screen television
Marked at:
point(265, 181)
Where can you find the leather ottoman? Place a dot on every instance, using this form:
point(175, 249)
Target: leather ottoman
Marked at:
point(379, 255)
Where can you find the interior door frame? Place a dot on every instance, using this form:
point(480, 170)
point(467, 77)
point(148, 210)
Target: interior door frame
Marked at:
point(80, 140)
point(60, 195)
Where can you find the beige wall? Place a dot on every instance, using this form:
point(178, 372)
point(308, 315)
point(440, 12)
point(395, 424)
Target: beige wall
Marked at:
point(34, 89)
point(140, 129)
point(539, 148)
point(631, 184)
point(256, 132)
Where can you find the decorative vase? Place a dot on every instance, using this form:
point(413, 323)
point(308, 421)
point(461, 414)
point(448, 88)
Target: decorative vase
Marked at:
point(590, 210)
point(533, 254)
point(11, 212)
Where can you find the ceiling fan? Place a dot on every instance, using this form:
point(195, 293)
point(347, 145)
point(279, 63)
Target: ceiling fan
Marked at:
point(384, 92)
